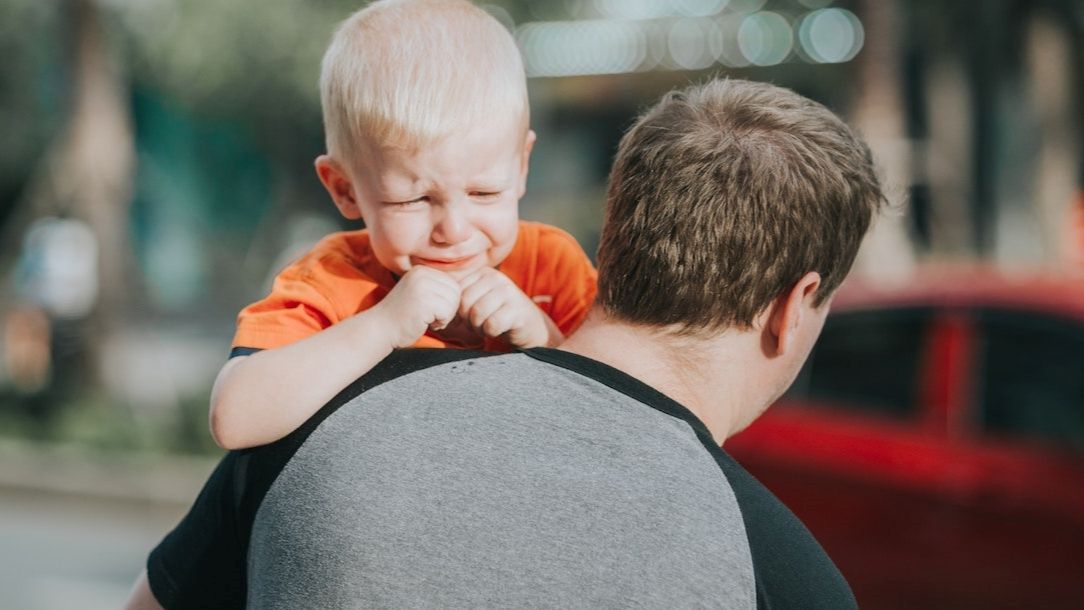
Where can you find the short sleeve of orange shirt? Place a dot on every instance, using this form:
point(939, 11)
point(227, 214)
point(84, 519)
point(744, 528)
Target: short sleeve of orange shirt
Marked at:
point(340, 277)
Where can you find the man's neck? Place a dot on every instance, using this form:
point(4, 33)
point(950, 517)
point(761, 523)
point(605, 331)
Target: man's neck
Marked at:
point(703, 375)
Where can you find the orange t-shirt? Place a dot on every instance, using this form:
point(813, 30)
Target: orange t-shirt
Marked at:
point(340, 277)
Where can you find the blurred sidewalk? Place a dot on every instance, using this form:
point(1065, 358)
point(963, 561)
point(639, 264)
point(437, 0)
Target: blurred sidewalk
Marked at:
point(76, 526)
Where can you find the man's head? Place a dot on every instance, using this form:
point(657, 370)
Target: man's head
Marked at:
point(426, 121)
point(734, 211)
point(724, 196)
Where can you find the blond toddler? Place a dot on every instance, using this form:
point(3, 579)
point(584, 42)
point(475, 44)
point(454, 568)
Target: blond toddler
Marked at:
point(428, 139)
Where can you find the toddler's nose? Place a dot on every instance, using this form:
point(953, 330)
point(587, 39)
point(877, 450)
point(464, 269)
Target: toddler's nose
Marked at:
point(452, 226)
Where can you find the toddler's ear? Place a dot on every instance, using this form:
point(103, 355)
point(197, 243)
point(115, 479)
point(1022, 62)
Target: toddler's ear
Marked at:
point(339, 185)
point(528, 146)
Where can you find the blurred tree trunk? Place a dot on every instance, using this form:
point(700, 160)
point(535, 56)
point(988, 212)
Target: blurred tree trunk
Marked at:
point(878, 114)
point(98, 160)
point(87, 175)
point(1055, 186)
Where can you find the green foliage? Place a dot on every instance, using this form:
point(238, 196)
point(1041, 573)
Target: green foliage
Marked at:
point(32, 89)
point(256, 61)
point(100, 423)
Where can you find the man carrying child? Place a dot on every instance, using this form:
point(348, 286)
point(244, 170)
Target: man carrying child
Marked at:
point(589, 475)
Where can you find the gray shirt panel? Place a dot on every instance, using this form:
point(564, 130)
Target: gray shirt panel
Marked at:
point(499, 482)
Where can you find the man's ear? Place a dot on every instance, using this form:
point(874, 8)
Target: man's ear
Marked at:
point(789, 311)
point(528, 146)
point(339, 185)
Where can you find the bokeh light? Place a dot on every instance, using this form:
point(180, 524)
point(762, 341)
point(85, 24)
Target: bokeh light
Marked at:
point(570, 48)
point(831, 35)
point(746, 7)
point(765, 38)
point(724, 42)
point(634, 9)
point(688, 43)
point(699, 8)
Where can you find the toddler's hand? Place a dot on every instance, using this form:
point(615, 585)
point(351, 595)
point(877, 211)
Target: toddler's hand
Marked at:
point(423, 298)
point(496, 307)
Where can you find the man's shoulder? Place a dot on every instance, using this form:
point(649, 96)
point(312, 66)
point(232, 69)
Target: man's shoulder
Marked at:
point(403, 362)
point(262, 465)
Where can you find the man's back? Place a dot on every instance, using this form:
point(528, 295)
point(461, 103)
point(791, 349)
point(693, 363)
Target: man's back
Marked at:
point(565, 483)
point(499, 481)
point(459, 479)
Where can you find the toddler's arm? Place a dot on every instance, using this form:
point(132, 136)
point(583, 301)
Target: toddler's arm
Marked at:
point(261, 398)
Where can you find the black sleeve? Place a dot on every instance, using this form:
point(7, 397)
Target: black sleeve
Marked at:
point(790, 566)
point(200, 564)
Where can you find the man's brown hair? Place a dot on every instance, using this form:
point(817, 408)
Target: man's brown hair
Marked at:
point(723, 196)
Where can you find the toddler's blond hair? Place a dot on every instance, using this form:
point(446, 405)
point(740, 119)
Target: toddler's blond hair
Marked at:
point(408, 72)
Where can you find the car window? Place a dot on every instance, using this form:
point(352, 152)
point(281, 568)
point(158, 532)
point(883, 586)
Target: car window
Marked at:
point(1032, 377)
point(866, 361)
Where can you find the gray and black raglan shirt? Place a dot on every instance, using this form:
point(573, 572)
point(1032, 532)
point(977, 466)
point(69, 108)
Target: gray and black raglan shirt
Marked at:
point(446, 478)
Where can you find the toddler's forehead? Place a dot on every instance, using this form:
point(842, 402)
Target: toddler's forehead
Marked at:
point(494, 141)
point(497, 128)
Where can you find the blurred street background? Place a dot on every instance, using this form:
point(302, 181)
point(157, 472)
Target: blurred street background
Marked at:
point(156, 171)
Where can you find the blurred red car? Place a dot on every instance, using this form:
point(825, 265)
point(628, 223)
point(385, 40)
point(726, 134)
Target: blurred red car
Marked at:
point(934, 442)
